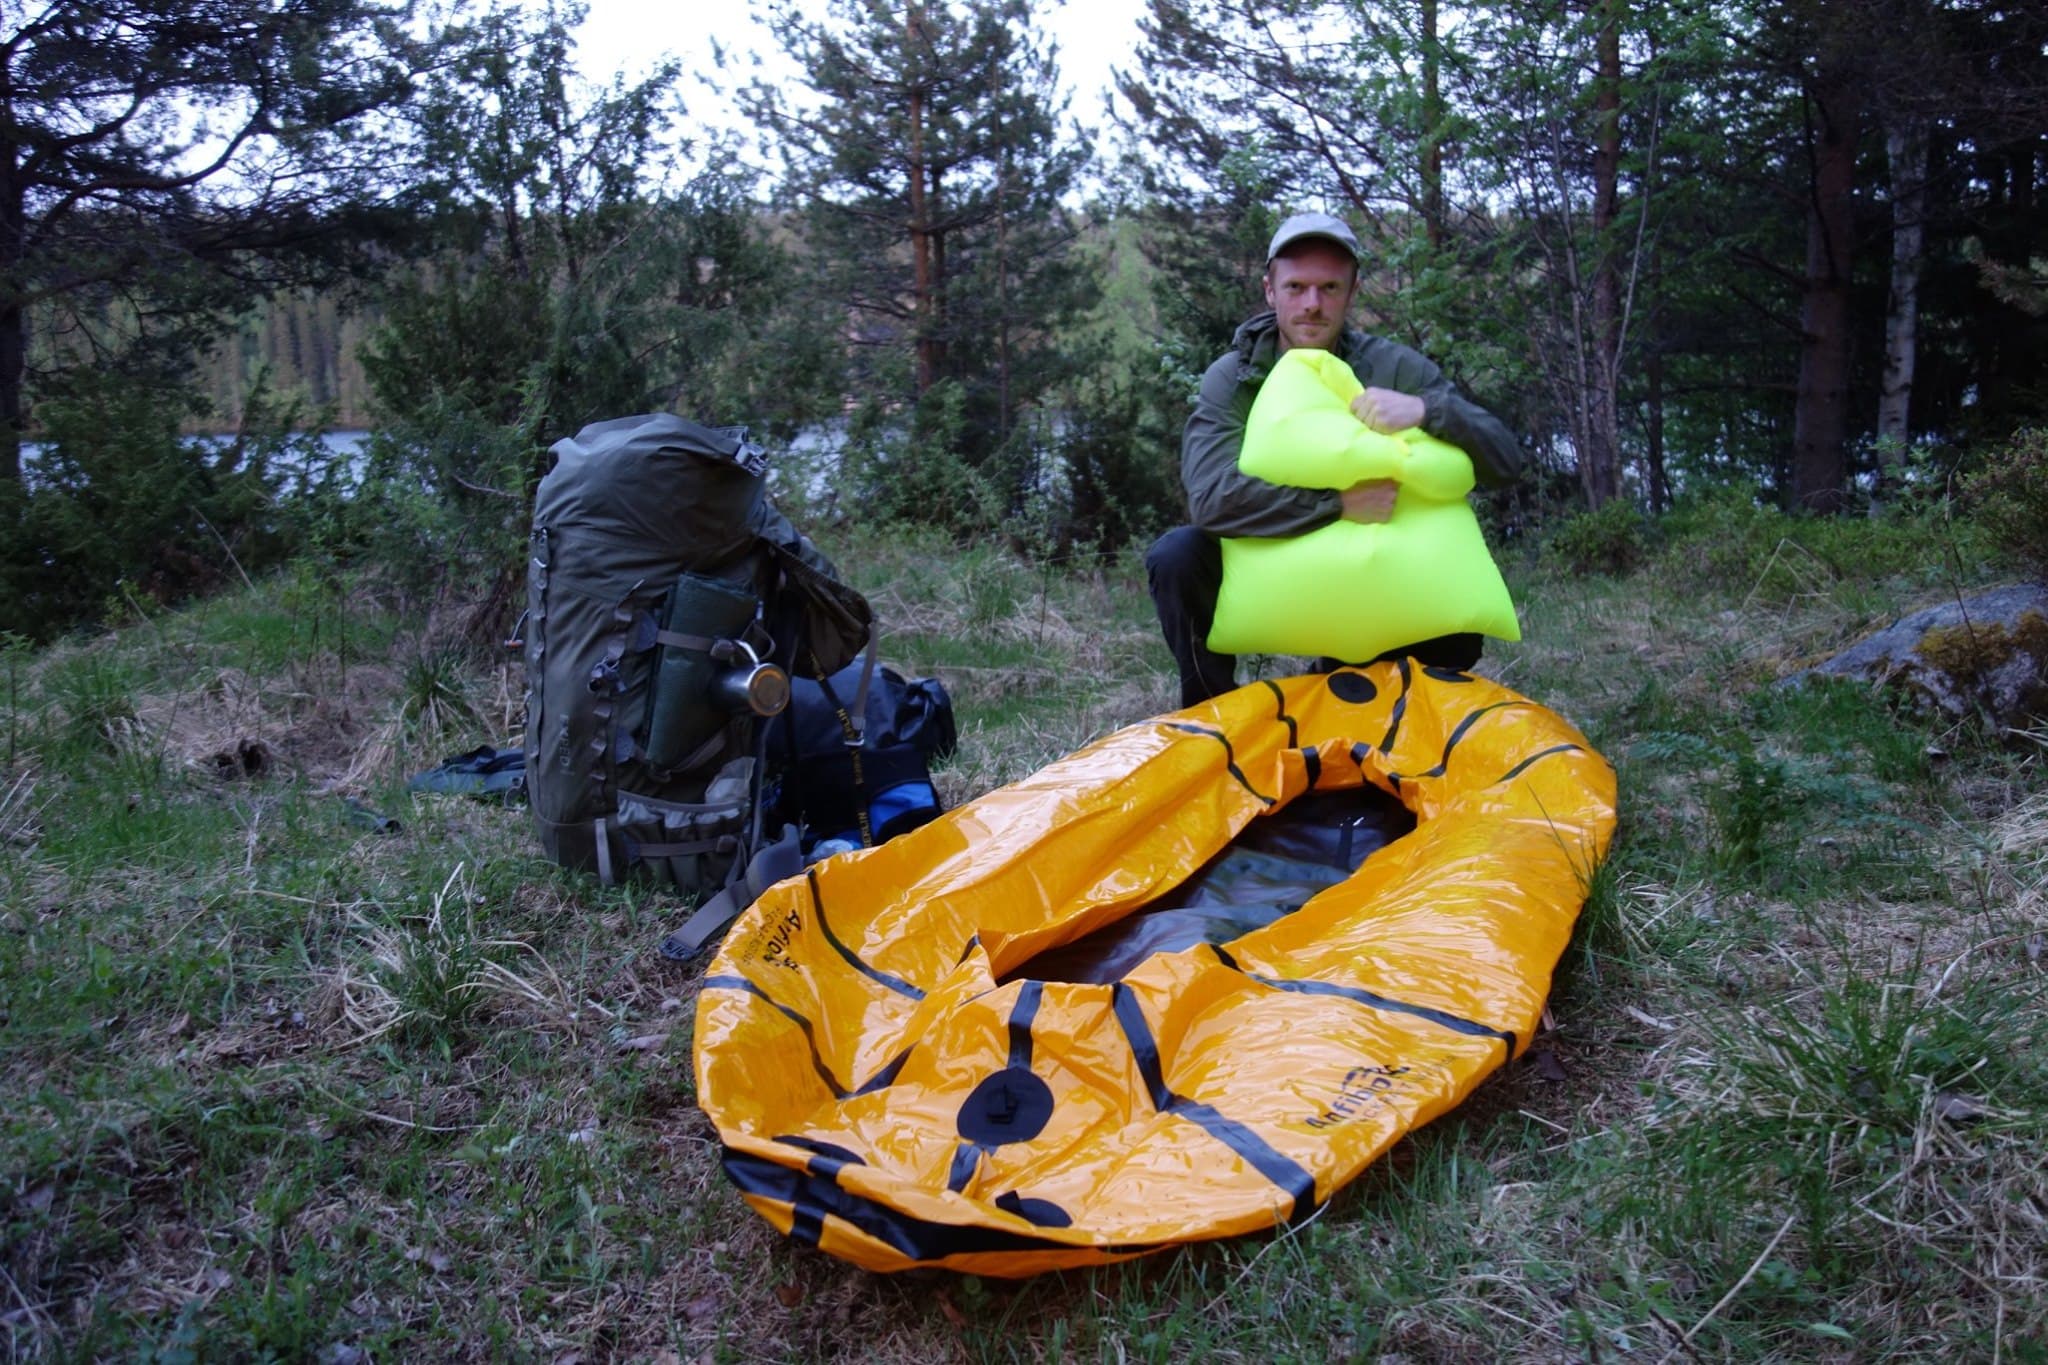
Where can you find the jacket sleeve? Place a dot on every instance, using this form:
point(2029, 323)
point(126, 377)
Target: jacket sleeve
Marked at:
point(1447, 414)
point(1224, 501)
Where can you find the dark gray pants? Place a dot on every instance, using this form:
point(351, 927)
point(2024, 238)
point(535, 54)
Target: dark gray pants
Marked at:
point(1184, 571)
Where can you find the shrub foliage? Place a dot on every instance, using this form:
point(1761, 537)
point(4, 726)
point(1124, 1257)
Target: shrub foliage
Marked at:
point(2009, 498)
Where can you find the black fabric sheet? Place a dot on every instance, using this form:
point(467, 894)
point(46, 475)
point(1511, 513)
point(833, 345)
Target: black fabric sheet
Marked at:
point(1270, 870)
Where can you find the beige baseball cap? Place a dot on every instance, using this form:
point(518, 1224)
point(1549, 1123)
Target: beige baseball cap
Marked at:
point(1303, 226)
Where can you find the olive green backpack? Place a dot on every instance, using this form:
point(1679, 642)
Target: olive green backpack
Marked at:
point(664, 593)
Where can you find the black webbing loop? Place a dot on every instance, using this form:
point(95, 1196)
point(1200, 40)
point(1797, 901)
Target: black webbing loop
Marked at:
point(853, 748)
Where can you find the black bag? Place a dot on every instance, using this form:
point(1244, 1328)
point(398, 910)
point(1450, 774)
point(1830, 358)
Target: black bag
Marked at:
point(660, 580)
point(856, 786)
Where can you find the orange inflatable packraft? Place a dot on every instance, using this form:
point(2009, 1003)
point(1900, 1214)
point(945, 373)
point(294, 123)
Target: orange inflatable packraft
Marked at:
point(894, 1080)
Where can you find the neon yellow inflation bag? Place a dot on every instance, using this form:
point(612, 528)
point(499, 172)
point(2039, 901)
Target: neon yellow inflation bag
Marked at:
point(1350, 590)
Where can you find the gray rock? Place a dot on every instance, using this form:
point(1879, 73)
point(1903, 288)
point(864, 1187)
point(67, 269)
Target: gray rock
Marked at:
point(1986, 654)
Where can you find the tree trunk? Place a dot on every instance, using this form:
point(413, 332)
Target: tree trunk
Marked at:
point(938, 316)
point(1660, 484)
point(1003, 301)
point(1906, 150)
point(13, 360)
point(1821, 411)
point(13, 318)
point(921, 283)
point(1600, 461)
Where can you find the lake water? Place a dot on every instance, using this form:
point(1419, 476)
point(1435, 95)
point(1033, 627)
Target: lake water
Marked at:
point(810, 461)
point(348, 445)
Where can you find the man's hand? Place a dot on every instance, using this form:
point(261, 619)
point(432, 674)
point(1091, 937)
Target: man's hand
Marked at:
point(1370, 502)
point(1387, 411)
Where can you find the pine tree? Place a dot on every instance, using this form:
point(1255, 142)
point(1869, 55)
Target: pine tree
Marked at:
point(928, 163)
point(161, 161)
point(569, 288)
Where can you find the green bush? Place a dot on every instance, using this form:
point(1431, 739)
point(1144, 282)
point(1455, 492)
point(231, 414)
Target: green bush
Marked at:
point(122, 509)
point(1724, 542)
point(443, 507)
point(1612, 539)
point(1915, 539)
point(1121, 467)
point(920, 476)
point(2009, 499)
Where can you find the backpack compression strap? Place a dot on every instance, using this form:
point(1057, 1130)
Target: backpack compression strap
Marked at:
point(635, 852)
point(608, 871)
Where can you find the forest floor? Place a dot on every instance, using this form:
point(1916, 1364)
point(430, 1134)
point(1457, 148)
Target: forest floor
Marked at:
point(301, 1066)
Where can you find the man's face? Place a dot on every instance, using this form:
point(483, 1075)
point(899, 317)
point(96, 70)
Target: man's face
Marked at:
point(1310, 289)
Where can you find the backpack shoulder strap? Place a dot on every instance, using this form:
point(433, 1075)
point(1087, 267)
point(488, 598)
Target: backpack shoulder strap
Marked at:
point(783, 857)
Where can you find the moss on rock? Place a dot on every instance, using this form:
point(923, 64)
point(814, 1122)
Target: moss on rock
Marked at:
point(1969, 652)
point(1986, 656)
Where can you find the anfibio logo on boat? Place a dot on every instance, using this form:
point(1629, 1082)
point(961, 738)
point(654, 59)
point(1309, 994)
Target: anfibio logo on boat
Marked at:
point(1363, 1086)
point(770, 945)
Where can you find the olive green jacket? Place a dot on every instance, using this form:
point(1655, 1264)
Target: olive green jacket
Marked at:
point(1224, 502)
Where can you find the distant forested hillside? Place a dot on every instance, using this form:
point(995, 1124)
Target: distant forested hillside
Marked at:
point(308, 345)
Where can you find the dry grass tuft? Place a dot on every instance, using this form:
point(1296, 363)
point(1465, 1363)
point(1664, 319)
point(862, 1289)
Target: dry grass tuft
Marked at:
point(229, 724)
point(2021, 837)
point(436, 971)
point(20, 813)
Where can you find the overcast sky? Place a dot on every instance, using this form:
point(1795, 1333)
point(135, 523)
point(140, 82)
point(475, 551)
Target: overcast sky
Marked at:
point(630, 35)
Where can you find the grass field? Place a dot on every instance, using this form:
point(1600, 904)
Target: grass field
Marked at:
point(298, 1066)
